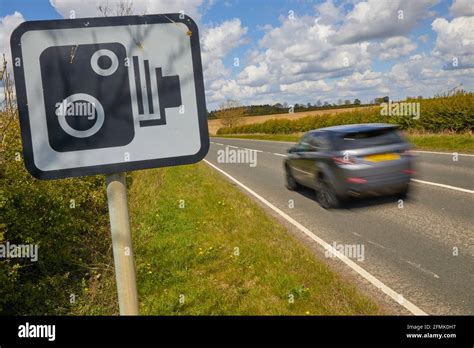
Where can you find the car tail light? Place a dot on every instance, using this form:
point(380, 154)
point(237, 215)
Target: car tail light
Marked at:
point(343, 160)
point(356, 180)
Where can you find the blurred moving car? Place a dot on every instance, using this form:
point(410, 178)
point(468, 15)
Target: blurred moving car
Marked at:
point(350, 161)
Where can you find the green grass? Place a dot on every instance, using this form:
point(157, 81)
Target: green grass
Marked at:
point(421, 141)
point(443, 142)
point(222, 254)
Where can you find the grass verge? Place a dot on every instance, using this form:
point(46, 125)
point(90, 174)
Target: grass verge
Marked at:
point(422, 141)
point(204, 248)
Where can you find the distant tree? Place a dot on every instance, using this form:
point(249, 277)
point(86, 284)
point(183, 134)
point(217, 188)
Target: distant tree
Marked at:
point(420, 97)
point(309, 105)
point(356, 101)
point(326, 103)
point(382, 100)
point(230, 113)
point(339, 102)
point(319, 103)
point(347, 102)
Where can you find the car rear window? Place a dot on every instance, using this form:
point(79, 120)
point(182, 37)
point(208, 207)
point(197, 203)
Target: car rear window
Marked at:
point(376, 137)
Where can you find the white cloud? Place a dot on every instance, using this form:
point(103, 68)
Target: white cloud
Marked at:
point(423, 74)
point(393, 48)
point(7, 25)
point(305, 86)
point(462, 8)
point(375, 19)
point(455, 41)
point(89, 8)
point(329, 13)
point(221, 39)
point(361, 81)
point(217, 42)
point(254, 75)
point(288, 60)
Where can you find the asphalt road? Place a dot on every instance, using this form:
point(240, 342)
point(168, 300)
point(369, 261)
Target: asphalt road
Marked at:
point(424, 251)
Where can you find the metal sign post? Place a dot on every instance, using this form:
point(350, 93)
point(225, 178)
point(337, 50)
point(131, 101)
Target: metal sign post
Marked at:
point(122, 244)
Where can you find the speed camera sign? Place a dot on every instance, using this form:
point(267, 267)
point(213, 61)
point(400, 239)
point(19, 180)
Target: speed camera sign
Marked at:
point(113, 94)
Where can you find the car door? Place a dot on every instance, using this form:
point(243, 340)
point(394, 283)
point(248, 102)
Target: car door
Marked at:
point(297, 158)
point(309, 158)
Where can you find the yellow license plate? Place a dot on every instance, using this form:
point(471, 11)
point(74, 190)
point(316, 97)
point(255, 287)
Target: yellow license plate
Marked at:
point(382, 157)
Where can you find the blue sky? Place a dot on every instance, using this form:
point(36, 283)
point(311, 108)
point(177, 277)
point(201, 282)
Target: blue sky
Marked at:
point(299, 51)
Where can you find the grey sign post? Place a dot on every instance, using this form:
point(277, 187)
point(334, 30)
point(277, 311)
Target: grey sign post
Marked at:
point(107, 96)
point(122, 244)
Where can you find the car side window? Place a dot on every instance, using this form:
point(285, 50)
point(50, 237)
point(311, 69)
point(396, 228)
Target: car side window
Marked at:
point(304, 144)
point(318, 142)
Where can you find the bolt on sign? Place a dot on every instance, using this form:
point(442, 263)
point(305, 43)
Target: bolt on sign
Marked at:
point(109, 95)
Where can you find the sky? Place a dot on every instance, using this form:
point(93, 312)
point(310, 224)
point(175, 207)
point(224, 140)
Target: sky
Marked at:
point(303, 51)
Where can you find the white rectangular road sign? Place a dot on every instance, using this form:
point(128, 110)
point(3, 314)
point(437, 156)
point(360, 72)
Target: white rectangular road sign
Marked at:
point(112, 94)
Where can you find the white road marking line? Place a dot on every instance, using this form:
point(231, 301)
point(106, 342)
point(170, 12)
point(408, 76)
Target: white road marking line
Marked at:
point(366, 275)
point(444, 153)
point(246, 148)
point(417, 265)
point(376, 244)
point(219, 144)
point(235, 147)
point(279, 154)
point(443, 185)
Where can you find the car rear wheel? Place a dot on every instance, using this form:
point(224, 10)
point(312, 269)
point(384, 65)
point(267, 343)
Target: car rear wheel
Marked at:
point(326, 195)
point(404, 192)
point(291, 183)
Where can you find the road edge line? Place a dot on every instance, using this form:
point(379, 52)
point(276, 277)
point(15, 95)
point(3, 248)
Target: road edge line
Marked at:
point(443, 186)
point(362, 272)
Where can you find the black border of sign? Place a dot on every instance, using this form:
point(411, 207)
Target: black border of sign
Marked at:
point(15, 43)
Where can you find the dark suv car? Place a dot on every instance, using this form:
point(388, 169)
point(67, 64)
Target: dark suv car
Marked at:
point(350, 160)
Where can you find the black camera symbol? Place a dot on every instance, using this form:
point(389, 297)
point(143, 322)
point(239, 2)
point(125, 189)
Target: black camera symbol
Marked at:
point(87, 96)
point(88, 100)
point(168, 88)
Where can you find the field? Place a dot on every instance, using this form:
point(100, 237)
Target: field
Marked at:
point(444, 123)
point(447, 113)
point(215, 124)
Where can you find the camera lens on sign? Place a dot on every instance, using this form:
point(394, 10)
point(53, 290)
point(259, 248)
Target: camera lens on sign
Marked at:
point(107, 54)
point(104, 62)
point(74, 109)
